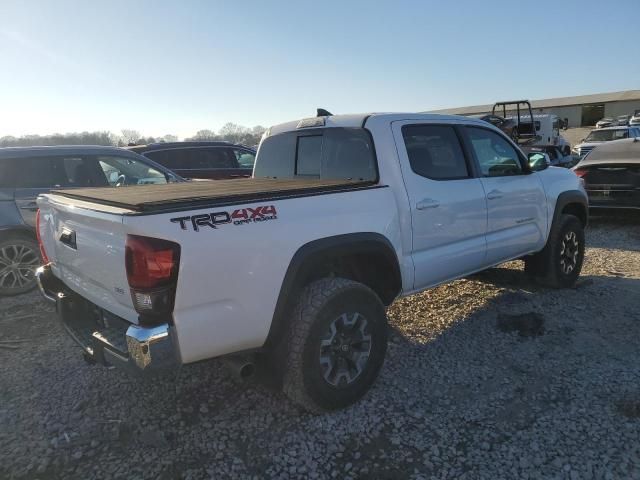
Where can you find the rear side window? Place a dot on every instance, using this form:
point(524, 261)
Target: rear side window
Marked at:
point(163, 158)
point(434, 152)
point(52, 172)
point(329, 153)
point(208, 158)
point(38, 173)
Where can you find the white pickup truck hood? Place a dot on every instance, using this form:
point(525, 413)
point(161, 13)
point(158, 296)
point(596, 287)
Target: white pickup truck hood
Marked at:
point(86, 250)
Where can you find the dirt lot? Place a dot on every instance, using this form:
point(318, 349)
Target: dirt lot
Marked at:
point(470, 389)
point(575, 135)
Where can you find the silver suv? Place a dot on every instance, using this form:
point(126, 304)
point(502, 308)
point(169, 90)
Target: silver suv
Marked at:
point(27, 172)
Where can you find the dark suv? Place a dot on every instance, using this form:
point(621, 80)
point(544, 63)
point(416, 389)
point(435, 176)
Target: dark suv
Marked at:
point(27, 172)
point(211, 160)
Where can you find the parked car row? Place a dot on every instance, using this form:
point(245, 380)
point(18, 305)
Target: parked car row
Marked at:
point(26, 172)
point(620, 121)
point(602, 135)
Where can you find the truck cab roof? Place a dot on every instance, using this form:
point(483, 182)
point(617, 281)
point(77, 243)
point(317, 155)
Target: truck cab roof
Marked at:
point(360, 119)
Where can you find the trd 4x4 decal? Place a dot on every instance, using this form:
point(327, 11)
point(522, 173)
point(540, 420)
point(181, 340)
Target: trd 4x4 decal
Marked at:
point(241, 216)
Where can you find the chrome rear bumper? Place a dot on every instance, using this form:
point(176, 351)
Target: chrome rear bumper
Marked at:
point(106, 338)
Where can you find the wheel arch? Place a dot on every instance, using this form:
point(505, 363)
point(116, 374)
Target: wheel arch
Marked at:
point(368, 258)
point(572, 202)
point(17, 230)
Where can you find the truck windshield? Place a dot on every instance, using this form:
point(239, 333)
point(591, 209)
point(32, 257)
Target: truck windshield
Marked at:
point(327, 153)
point(607, 135)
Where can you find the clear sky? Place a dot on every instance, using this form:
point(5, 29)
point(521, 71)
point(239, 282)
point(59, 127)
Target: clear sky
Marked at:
point(179, 66)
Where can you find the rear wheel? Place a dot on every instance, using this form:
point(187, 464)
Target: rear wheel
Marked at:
point(19, 258)
point(560, 263)
point(337, 344)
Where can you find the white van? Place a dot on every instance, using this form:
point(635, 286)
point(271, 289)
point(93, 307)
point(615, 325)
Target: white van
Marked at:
point(547, 130)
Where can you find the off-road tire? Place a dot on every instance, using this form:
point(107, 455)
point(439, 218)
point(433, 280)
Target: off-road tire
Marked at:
point(22, 243)
point(546, 267)
point(320, 303)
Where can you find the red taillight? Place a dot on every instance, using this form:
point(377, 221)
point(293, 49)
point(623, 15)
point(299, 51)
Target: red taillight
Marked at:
point(43, 253)
point(152, 271)
point(581, 172)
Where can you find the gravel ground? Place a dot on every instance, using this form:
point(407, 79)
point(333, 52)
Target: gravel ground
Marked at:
point(575, 135)
point(487, 377)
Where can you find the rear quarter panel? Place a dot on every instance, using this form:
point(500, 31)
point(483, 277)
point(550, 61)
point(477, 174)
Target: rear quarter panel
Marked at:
point(230, 276)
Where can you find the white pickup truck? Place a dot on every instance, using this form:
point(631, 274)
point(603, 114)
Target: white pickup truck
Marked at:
point(296, 265)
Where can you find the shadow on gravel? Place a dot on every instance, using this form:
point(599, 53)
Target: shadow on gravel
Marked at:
point(629, 407)
point(526, 324)
point(512, 278)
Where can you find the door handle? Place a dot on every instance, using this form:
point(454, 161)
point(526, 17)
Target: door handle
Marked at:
point(427, 203)
point(494, 194)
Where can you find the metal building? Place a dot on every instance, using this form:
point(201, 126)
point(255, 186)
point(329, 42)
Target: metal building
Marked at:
point(581, 111)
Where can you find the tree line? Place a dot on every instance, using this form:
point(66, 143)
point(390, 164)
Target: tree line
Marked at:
point(230, 132)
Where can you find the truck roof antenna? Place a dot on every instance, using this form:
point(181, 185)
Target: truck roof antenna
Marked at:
point(321, 112)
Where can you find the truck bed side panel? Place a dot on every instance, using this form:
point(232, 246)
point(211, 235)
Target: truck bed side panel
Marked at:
point(230, 276)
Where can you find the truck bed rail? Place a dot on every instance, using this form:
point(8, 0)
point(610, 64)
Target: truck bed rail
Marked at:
point(177, 196)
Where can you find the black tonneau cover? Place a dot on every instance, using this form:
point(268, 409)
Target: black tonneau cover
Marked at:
point(179, 196)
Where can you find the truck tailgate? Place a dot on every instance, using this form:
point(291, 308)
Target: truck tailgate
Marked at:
point(86, 247)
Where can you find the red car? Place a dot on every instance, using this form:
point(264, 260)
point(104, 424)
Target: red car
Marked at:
point(208, 160)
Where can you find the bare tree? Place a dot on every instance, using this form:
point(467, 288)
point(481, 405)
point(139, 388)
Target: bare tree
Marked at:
point(129, 135)
point(233, 133)
point(169, 138)
point(258, 130)
point(203, 135)
point(83, 138)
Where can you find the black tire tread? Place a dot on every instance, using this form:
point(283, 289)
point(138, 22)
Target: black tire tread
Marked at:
point(541, 266)
point(312, 299)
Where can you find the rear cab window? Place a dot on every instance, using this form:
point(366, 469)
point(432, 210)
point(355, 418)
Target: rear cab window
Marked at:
point(336, 153)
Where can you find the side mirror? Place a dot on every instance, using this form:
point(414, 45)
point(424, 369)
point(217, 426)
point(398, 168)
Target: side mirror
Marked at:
point(538, 161)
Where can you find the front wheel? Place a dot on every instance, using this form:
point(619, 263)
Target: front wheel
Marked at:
point(559, 264)
point(337, 344)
